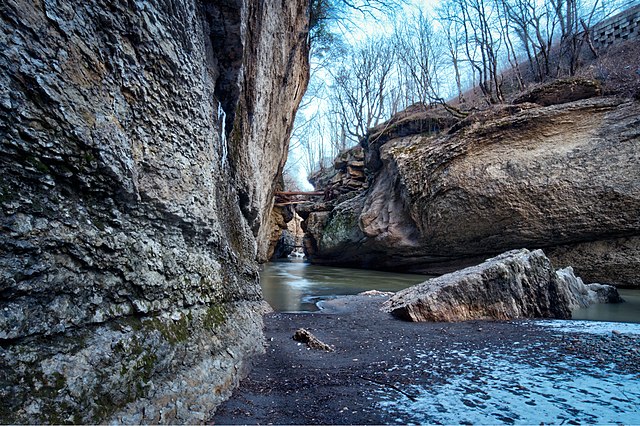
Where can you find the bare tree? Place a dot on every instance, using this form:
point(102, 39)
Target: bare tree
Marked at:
point(328, 21)
point(360, 86)
point(289, 176)
point(337, 134)
point(573, 15)
point(420, 53)
point(454, 36)
point(329, 18)
point(313, 147)
point(482, 42)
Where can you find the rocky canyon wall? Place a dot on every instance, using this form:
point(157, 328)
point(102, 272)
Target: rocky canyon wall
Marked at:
point(140, 143)
point(562, 177)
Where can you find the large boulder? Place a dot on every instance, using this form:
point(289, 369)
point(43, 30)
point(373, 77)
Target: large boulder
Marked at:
point(139, 146)
point(563, 177)
point(516, 284)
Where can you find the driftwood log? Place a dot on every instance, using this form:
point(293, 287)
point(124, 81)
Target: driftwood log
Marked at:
point(304, 336)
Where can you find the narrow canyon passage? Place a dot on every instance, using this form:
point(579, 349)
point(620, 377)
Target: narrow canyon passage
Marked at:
point(143, 186)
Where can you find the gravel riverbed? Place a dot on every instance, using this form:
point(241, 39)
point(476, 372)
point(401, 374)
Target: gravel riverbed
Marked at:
point(387, 371)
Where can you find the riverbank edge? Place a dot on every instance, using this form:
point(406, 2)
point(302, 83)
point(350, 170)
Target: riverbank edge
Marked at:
point(291, 384)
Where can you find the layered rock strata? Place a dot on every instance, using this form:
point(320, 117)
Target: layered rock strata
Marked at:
point(345, 178)
point(140, 143)
point(560, 92)
point(564, 177)
point(516, 284)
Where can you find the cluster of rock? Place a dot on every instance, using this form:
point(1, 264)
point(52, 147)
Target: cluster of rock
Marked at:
point(346, 178)
point(140, 141)
point(563, 176)
point(287, 234)
point(515, 284)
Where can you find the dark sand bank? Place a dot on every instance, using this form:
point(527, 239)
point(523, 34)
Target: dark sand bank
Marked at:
point(385, 371)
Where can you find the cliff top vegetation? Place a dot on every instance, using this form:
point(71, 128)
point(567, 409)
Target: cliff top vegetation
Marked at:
point(371, 60)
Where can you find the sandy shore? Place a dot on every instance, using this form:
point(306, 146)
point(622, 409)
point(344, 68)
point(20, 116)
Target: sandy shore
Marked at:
point(386, 371)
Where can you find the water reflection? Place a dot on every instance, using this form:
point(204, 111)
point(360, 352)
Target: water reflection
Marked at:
point(296, 286)
point(629, 311)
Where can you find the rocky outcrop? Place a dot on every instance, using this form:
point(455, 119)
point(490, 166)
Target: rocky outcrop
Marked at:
point(560, 91)
point(564, 178)
point(345, 179)
point(287, 234)
point(290, 243)
point(139, 148)
point(279, 220)
point(285, 245)
point(583, 295)
point(516, 284)
point(417, 119)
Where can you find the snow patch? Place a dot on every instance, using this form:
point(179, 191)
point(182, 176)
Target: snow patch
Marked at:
point(222, 119)
point(590, 327)
point(497, 388)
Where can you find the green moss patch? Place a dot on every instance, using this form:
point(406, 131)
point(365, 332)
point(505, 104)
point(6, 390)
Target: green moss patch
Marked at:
point(214, 317)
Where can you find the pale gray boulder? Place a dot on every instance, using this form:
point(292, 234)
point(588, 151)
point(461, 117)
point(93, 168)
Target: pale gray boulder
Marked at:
point(515, 284)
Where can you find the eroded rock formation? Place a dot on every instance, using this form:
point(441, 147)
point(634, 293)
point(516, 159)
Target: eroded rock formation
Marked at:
point(516, 284)
point(345, 178)
point(564, 177)
point(287, 234)
point(140, 146)
point(560, 92)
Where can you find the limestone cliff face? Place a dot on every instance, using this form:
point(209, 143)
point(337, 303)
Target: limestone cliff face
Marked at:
point(139, 146)
point(563, 177)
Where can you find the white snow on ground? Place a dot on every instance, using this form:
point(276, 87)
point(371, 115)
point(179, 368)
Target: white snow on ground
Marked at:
point(498, 387)
point(591, 327)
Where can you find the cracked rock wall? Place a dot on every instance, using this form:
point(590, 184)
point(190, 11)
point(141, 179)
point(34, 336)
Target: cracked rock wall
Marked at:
point(139, 146)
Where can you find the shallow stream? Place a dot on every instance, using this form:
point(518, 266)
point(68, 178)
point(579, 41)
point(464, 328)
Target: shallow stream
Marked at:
point(297, 286)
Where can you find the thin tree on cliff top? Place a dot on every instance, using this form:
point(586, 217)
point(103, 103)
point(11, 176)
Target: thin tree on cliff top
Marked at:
point(453, 35)
point(420, 53)
point(360, 86)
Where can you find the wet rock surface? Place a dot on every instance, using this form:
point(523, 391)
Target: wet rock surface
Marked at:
point(387, 371)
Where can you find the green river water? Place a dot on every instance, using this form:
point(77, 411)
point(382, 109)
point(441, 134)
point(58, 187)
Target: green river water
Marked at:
point(297, 286)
